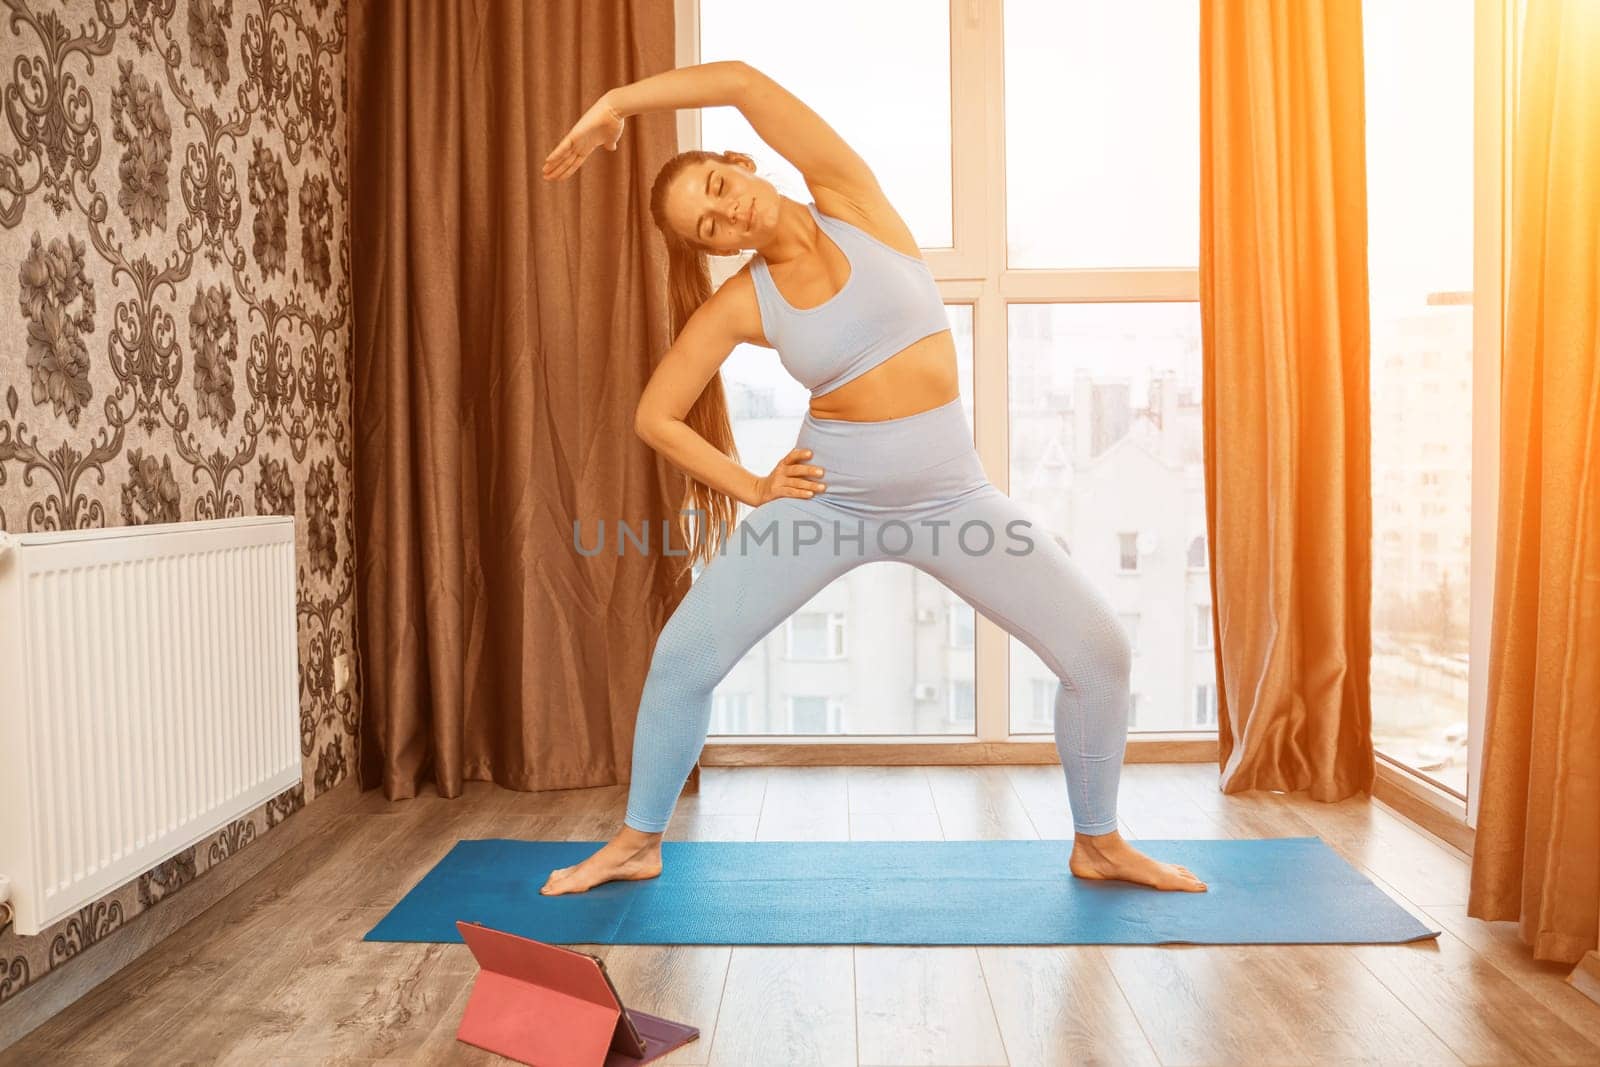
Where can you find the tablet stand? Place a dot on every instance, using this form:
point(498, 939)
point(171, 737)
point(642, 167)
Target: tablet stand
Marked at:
point(550, 1006)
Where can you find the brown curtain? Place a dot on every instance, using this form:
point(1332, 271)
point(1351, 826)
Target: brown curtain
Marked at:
point(504, 328)
point(1537, 854)
point(1283, 309)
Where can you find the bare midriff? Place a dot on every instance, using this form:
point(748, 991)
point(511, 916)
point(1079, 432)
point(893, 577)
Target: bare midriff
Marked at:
point(921, 376)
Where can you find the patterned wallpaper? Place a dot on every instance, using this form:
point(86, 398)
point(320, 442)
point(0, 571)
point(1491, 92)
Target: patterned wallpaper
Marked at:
point(174, 324)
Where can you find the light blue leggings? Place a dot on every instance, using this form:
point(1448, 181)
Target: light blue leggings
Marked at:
point(911, 489)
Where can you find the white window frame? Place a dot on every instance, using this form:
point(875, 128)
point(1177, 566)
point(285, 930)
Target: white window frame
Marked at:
point(974, 272)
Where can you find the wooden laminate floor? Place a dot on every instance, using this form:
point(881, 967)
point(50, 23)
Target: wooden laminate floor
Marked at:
point(277, 972)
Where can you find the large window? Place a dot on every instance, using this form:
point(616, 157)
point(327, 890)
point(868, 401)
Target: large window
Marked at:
point(1058, 206)
point(1419, 87)
point(1092, 372)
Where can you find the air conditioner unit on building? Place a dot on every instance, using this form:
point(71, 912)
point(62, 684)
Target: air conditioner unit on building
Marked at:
point(927, 691)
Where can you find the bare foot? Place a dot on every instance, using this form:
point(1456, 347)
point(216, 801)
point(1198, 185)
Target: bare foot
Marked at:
point(1109, 856)
point(631, 855)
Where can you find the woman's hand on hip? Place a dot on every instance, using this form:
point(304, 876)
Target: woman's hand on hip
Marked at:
point(600, 125)
point(791, 477)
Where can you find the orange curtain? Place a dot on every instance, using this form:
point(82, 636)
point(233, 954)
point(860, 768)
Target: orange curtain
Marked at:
point(1283, 309)
point(503, 329)
point(1537, 854)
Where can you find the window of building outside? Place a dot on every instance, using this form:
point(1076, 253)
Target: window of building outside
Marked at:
point(1042, 708)
point(962, 621)
point(730, 712)
point(1205, 706)
point(811, 714)
point(961, 702)
point(816, 635)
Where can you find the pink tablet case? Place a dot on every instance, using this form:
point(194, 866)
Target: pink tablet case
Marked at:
point(549, 1006)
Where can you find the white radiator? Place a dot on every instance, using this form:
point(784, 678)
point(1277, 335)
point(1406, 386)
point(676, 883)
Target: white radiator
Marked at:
point(148, 697)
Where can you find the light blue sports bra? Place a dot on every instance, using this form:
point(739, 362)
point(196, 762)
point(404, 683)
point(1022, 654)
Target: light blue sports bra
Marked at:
point(889, 301)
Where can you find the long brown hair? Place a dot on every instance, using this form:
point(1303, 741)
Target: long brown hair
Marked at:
point(689, 286)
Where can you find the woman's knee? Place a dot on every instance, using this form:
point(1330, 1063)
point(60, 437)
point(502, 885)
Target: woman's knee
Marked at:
point(685, 655)
point(1101, 648)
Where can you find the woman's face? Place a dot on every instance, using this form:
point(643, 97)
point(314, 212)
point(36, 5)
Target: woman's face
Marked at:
point(722, 207)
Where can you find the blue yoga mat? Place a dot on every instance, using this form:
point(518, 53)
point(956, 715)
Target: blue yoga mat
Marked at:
point(1284, 890)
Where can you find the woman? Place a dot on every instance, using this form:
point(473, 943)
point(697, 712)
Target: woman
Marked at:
point(883, 466)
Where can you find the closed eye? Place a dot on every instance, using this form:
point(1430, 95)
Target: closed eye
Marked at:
point(712, 232)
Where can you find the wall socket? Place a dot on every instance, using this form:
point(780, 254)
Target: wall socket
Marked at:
point(341, 671)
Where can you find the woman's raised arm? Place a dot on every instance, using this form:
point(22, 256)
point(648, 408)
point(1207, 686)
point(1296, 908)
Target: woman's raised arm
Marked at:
point(702, 85)
point(805, 139)
point(782, 120)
